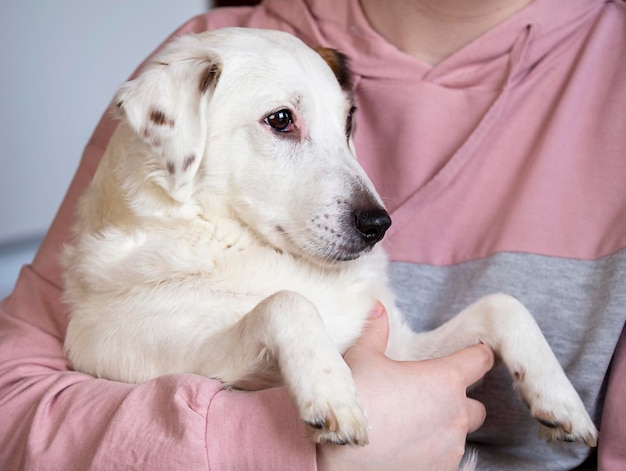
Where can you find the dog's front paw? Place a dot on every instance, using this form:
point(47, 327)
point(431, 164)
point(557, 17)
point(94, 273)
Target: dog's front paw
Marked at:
point(329, 405)
point(341, 424)
point(567, 422)
point(558, 408)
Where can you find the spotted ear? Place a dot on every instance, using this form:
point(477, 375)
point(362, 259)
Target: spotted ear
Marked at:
point(340, 66)
point(165, 106)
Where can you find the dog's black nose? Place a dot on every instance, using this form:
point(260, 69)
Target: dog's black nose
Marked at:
point(372, 225)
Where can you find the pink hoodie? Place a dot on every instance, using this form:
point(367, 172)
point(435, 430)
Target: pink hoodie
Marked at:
point(503, 168)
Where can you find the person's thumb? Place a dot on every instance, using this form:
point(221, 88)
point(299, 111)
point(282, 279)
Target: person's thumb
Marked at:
point(376, 332)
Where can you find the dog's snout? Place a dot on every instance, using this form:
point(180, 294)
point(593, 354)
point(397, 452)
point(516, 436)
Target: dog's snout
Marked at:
point(372, 224)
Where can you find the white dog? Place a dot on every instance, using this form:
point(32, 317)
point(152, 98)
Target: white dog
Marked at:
point(230, 232)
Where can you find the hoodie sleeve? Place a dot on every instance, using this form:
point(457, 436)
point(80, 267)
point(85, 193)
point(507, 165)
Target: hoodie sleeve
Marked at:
point(54, 418)
point(612, 443)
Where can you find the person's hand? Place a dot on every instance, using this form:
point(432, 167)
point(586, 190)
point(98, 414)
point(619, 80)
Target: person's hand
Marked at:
point(418, 412)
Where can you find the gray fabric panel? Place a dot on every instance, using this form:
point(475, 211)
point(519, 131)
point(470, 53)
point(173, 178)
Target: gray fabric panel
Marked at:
point(579, 305)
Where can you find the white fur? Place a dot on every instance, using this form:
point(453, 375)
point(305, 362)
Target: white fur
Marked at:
point(243, 263)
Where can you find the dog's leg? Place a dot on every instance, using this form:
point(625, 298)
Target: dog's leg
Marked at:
point(286, 332)
point(505, 325)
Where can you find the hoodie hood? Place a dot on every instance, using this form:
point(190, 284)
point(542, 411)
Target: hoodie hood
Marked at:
point(538, 29)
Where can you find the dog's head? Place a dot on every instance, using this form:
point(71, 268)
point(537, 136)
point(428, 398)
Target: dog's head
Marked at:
point(257, 123)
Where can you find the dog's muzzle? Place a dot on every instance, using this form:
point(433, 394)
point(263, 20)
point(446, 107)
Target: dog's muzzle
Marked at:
point(360, 231)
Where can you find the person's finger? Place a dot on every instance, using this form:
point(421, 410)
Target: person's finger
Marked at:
point(477, 415)
point(376, 331)
point(473, 362)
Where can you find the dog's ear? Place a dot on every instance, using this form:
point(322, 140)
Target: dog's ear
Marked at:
point(165, 106)
point(340, 66)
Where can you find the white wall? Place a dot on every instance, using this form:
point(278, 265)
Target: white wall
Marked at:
point(60, 63)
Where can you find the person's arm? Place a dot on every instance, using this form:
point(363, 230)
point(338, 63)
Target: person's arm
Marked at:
point(612, 443)
point(54, 418)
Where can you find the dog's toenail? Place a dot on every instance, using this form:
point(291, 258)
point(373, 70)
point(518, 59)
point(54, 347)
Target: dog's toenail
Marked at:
point(548, 423)
point(318, 424)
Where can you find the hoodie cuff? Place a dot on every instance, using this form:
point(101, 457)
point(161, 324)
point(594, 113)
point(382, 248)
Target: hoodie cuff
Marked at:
point(259, 431)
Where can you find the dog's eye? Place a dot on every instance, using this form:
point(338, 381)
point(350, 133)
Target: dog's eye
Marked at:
point(350, 117)
point(280, 121)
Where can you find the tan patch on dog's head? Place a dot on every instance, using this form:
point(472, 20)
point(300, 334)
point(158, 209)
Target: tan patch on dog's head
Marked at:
point(338, 63)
